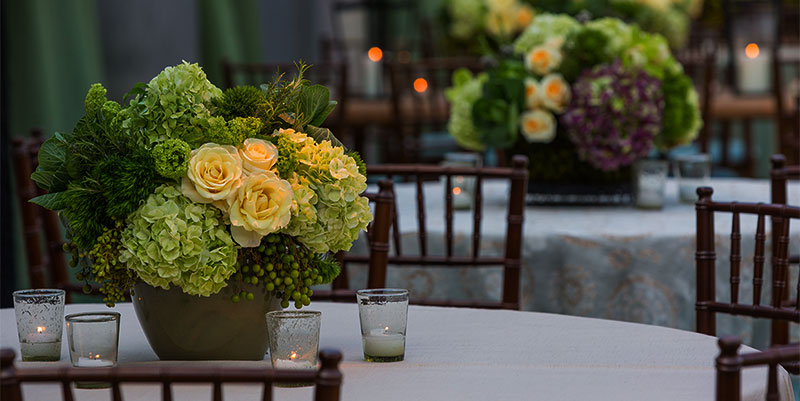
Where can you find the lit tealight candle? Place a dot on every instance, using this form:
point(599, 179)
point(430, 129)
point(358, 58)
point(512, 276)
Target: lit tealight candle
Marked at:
point(383, 343)
point(94, 361)
point(41, 329)
point(753, 69)
point(292, 363)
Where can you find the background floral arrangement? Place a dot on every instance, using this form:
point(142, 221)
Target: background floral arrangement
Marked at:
point(585, 96)
point(203, 189)
point(501, 21)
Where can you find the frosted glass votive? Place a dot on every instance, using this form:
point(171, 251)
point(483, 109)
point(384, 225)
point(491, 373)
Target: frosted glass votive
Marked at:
point(93, 340)
point(39, 315)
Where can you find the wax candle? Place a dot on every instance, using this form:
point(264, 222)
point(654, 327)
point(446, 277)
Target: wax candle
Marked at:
point(373, 76)
point(93, 362)
point(292, 364)
point(382, 343)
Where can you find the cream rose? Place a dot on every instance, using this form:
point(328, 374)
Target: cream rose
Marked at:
point(533, 95)
point(538, 126)
point(555, 93)
point(543, 59)
point(262, 205)
point(214, 174)
point(257, 155)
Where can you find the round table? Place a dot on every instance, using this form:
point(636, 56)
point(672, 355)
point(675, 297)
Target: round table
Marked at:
point(471, 354)
point(609, 262)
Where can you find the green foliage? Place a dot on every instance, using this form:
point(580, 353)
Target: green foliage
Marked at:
point(362, 167)
point(328, 267)
point(496, 113)
point(315, 104)
point(323, 134)
point(241, 101)
point(583, 49)
point(126, 182)
point(466, 90)
point(85, 211)
point(171, 158)
point(95, 99)
point(244, 127)
point(681, 121)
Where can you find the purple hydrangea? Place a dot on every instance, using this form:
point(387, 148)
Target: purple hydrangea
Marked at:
point(614, 115)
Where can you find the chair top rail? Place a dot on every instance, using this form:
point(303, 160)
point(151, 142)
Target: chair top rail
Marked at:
point(783, 353)
point(415, 169)
point(150, 373)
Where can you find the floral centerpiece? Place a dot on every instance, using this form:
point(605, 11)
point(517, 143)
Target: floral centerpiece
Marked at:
point(188, 186)
point(187, 191)
point(480, 24)
point(582, 100)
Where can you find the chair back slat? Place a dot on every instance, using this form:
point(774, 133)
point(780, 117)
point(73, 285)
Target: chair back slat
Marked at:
point(66, 390)
point(780, 174)
point(422, 227)
point(398, 250)
point(448, 215)
point(477, 216)
point(328, 379)
point(706, 305)
point(26, 190)
point(758, 261)
point(736, 257)
point(517, 176)
point(116, 394)
point(781, 263)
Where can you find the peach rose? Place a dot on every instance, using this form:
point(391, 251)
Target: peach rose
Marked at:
point(214, 174)
point(257, 155)
point(524, 17)
point(542, 59)
point(262, 205)
point(538, 126)
point(555, 93)
point(533, 93)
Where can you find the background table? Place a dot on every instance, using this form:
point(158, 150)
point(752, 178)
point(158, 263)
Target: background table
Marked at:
point(616, 263)
point(469, 354)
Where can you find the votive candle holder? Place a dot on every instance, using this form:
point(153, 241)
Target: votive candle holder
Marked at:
point(294, 340)
point(40, 315)
point(383, 314)
point(93, 339)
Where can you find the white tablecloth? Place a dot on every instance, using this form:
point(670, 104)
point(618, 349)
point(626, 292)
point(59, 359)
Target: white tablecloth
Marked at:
point(616, 263)
point(468, 354)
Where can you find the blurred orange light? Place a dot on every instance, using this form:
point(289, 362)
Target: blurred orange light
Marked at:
point(420, 85)
point(456, 191)
point(375, 54)
point(751, 50)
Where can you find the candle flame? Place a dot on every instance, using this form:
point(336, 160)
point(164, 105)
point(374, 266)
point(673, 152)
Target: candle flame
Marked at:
point(375, 54)
point(751, 50)
point(386, 329)
point(420, 85)
point(293, 355)
point(456, 191)
point(40, 329)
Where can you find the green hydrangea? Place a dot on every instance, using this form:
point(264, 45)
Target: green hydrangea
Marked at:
point(618, 33)
point(244, 127)
point(466, 90)
point(170, 240)
point(95, 99)
point(544, 27)
point(681, 121)
point(175, 104)
point(330, 218)
point(467, 17)
point(171, 158)
point(110, 110)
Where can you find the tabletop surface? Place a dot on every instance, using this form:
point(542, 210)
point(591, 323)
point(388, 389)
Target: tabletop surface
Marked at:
point(470, 354)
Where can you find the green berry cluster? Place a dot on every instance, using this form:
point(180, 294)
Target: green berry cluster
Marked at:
point(285, 268)
point(113, 276)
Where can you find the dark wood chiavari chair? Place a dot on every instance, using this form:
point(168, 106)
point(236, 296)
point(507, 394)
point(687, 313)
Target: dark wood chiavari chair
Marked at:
point(378, 239)
point(517, 175)
point(45, 269)
point(328, 379)
point(707, 306)
point(416, 109)
point(729, 366)
point(780, 174)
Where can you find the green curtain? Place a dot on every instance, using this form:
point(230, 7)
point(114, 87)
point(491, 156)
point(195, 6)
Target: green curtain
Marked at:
point(229, 30)
point(53, 56)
